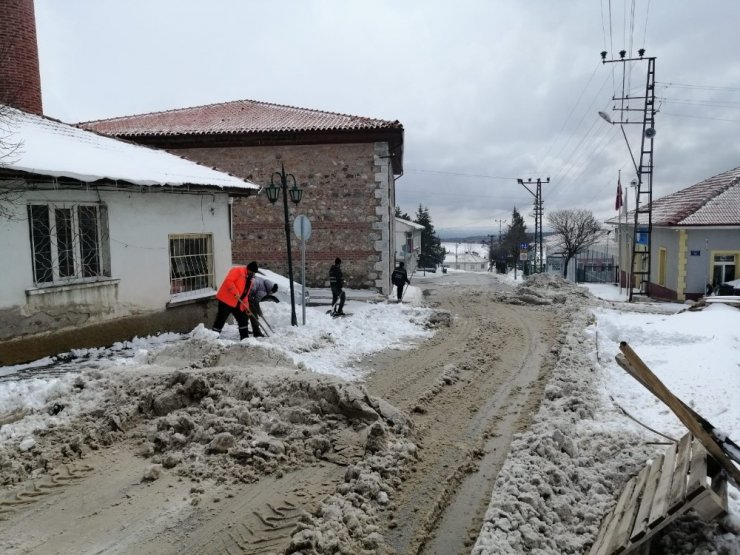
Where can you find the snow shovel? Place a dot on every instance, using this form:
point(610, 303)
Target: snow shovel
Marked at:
point(249, 313)
point(266, 323)
point(406, 288)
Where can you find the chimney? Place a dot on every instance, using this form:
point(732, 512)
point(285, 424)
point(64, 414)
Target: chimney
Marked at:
point(20, 78)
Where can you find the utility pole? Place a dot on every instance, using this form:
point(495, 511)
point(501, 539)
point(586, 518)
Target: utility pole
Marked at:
point(490, 252)
point(538, 213)
point(642, 241)
point(499, 236)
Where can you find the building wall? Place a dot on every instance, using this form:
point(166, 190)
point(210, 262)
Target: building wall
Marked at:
point(687, 274)
point(20, 79)
point(348, 196)
point(410, 259)
point(139, 286)
point(669, 240)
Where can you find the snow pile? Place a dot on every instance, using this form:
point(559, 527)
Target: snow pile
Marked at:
point(226, 421)
point(565, 473)
point(562, 474)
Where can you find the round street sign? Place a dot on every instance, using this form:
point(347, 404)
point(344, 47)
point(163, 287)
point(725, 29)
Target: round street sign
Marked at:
point(302, 227)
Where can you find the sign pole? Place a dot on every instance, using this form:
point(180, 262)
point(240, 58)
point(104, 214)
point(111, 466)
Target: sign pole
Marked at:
point(302, 228)
point(303, 275)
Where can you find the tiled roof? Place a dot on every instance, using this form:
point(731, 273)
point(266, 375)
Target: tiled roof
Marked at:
point(239, 116)
point(712, 202)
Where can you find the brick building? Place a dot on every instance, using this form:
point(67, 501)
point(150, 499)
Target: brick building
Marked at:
point(346, 166)
point(20, 79)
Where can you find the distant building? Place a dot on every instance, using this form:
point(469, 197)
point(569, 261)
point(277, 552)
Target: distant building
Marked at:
point(468, 261)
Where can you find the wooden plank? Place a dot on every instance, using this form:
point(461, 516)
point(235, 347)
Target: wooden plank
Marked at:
point(646, 503)
point(660, 503)
point(624, 531)
point(687, 416)
point(697, 469)
point(708, 505)
point(601, 547)
point(603, 538)
point(678, 487)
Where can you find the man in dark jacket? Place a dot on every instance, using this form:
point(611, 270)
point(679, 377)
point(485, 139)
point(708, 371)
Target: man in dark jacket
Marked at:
point(336, 282)
point(261, 288)
point(400, 278)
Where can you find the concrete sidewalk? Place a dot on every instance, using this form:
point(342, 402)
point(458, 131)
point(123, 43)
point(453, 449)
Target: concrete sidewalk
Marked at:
point(322, 296)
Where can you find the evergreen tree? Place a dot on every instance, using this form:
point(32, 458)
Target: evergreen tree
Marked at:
point(515, 236)
point(431, 253)
point(402, 215)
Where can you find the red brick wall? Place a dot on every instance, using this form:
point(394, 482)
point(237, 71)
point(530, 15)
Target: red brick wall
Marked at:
point(339, 198)
point(20, 80)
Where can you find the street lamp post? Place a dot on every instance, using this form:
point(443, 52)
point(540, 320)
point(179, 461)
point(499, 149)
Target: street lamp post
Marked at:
point(273, 192)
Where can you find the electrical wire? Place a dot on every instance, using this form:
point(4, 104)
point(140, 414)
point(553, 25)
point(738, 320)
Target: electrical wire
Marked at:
point(697, 87)
point(644, 34)
point(567, 118)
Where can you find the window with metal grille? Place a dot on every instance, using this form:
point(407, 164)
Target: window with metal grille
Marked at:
point(69, 242)
point(191, 263)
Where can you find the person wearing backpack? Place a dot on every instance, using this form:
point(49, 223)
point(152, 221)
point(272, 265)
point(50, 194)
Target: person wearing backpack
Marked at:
point(400, 278)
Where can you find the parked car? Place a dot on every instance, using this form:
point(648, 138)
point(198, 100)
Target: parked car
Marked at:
point(430, 270)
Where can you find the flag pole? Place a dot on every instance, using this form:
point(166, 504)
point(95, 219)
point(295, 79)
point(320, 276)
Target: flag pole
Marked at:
point(621, 240)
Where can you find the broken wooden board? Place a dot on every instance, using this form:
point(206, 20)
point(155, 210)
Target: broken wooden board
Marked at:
point(685, 477)
point(699, 427)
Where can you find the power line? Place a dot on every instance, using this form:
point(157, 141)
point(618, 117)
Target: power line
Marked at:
point(700, 87)
point(567, 118)
point(461, 174)
point(709, 103)
point(698, 117)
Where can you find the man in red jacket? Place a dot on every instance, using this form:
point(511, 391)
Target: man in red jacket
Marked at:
point(233, 298)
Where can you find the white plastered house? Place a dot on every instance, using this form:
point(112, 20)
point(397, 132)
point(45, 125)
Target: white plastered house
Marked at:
point(103, 240)
point(407, 243)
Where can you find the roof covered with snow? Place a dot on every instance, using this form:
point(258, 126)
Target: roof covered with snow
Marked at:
point(239, 116)
point(43, 146)
point(409, 224)
point(712, 202)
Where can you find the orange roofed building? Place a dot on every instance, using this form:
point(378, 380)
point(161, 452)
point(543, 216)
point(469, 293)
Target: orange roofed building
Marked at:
point(346, 165)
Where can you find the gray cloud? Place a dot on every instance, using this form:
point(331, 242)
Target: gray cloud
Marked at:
point(488, 91)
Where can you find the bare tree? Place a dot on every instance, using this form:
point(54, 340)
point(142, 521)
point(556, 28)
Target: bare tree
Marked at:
point(10, 144)
point(576, 230)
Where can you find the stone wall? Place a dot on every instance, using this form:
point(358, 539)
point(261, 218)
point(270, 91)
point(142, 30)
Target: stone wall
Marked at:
point(347, 195)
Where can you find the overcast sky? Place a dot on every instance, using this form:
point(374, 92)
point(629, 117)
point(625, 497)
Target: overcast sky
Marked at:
point(488, 91)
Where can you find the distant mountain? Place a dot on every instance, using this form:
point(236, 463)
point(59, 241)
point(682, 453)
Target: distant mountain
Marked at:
point(464, 234)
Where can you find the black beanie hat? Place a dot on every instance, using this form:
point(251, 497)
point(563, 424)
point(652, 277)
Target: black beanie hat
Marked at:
point(337, 261)
point(253, 267)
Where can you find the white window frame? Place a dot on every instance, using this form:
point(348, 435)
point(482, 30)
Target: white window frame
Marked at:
point(719, 261)
point(77, 273)
point(191, 273)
